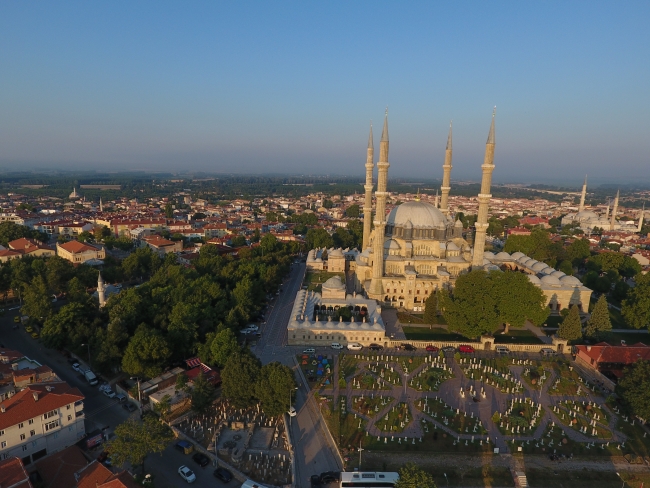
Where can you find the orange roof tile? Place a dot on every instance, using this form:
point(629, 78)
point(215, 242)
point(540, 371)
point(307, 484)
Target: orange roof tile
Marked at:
point(76, 247)
point(93, 475)
point(13, 474)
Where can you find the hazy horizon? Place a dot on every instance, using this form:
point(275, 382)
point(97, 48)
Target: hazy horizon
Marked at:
point(256, 88)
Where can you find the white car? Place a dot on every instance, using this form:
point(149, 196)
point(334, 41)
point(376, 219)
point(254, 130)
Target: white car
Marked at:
point(187, 474)
point(109, 393)
point(309, 350)
point(252, 327)
point(355, 346)
point(76, 367)
point(292, 412)
point(336, 345)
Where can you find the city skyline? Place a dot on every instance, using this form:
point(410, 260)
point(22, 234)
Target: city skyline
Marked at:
point(253, 88)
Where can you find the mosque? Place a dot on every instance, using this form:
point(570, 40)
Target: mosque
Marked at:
point(588, 220)
point(415, 250)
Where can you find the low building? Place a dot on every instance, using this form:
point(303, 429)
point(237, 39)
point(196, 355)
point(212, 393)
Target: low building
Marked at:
point(13, 473)
point(317, 320)
point(41, 419)
point(31, 247)
point(162, 246)
point(610, 360)
point(78, 252)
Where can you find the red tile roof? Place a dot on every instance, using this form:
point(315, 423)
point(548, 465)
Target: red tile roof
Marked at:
point(13, 474)
point(58, 469)
point(76, 247)
point(120, 480)
point(93, 475)
point(605, 353)
point(22, 406)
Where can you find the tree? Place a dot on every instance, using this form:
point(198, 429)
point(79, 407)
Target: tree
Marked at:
point(599, 322)
point(147, 353)
point(238, 241)
point(412, 476)
point(239, 377)
point(352, 211)
point(135, 440)
point(328, 203)
point(269, 243)
point(85, 236)
point(566, 267)
point(636, 307)
point(578, 251)
point(169, 211)
point(37, 301)
point(318, 238)
point(219, 346)
point(431, 309)
point(202, 393)
point(164, 406)
point(274, 387)
point(343, 238)
point(634, 388)
point(571, 327)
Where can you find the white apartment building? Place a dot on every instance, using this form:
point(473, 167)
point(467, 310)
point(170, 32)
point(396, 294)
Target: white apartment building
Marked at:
point(41, 420)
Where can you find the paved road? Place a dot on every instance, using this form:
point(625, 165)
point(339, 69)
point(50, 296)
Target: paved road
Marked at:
point(313, 453)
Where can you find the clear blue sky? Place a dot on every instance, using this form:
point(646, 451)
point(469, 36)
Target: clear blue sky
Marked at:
point(290, 87)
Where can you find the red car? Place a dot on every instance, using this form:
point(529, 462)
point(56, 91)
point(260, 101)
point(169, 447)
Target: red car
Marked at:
point(432, 349)
point(466, 349)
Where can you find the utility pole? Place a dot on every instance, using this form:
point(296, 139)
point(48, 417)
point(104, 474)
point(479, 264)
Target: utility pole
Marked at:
point(360, 450)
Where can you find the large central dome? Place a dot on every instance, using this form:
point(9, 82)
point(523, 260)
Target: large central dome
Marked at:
point(420, 214)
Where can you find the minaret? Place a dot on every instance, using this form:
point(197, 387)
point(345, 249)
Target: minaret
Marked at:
point(101, 290)
point(376, 288)
point(367, 204)
point(584, 194)
point(436, 201)
point(612, 222)
point(446, 176)
point(641, 218)
point(484, 198)
point(101, 206)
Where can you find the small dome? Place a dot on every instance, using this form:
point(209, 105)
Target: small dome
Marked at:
point(558, 274)
point(547, 271)
point(570, 280)
point(517, 255)
point(534, 279)
point(488, 254)
point(334, 283)
point(502, 255)
point(335, 253)
point(522, 259)
point(417, 214)
point(529, 262)
point(539, 266)
point(392, 244)
point(318, 260)
point(550, 280)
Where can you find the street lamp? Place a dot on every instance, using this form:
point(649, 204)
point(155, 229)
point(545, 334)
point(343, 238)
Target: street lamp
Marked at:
point(89, 365)
point(360, 449)
point(290, 391)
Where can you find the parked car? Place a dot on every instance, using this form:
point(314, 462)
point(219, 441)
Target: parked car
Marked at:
point(34, 335)
point(465, 348)
point(184, 446)
point(432, 348)
point(408, 347)
point(336, 345)
point(309, 350)
point(355, 346)
point(109, 393)
point(223, 474)
point(375, 347)
point(29, 329)
point(76, 367)
point(502, 350)
point(129, 407)
point(449, 349)
point(292, 411)
point(330, 477)
point(17, 319)
point(121, 398)
point(252, 327)
point(187, 474)
point(201, 459)
point(315, 481)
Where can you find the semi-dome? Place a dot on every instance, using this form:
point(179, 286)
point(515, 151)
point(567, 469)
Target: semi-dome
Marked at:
point(488, 254)
point(419, 214)
point(550, 280)
point(517, 255)
point(534, 279)
point(570, 280)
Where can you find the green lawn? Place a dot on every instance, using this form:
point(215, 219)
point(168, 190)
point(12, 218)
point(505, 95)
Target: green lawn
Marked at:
point(516, 336)
point(313, 281)
point(433, 334)
point(412, 318)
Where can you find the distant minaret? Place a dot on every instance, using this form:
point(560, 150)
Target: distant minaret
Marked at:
point(612, 222)
point(446, 176)
point(101, 290)
point(376, 287)
point(584, 194)
point(484, 197)
point(607, 210)
point(641, 218)
point(436, 201)
point(367, 204)
point(101, 206)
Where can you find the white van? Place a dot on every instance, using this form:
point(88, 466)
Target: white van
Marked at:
point(355, 346)
point(336, 345)
point(502, 350)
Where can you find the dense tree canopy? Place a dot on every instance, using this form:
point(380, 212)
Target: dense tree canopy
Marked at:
point(239, 377)
point(135, 440)
point(412, 476)
point(634, 388)
point(431, 309)
point(274, 388)
point(482, 302)
point(316, 238)
point(599, 323)
point(571, 327)
point(353, 211)
point(10, 231)
point(636, 307)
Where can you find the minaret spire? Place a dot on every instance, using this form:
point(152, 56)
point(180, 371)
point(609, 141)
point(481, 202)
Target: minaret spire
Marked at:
point(484, 198)
point(101, 290)
point(376, 285)
point(446, 176)
point(612, 222)
point(641, 218)
point(367, 204)
point(583, 195)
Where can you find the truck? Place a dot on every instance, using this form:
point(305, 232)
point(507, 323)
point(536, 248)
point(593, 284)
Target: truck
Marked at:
point(90, 377)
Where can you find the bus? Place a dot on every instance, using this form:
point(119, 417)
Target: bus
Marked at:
point(364, 478)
